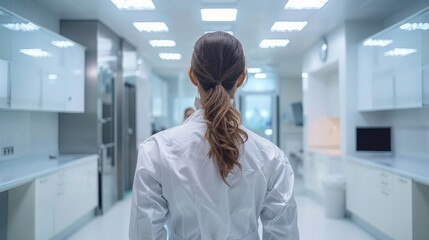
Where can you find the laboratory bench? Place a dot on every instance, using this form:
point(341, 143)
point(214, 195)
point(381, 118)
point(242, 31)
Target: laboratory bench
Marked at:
point(47, 197)
point(389, 196)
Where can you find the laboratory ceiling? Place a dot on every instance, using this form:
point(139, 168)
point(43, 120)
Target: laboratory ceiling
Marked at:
point(253, 24)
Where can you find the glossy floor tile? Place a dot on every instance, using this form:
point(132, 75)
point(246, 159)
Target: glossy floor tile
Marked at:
point(312, 224)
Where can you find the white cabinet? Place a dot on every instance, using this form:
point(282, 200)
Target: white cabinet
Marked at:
point(44, 202)
point(46, 70)
point(76, 194)
point(5, 57)
point(73, 69)
point(382, 199)
point(30, 210)
point(390, 67)
point(402, 227)
point(50, 204)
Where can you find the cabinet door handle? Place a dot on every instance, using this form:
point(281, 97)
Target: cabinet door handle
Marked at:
point(43, 180)
point(384, 183)
point(402, 180)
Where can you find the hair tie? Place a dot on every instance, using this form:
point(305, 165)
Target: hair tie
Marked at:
point(218, 82)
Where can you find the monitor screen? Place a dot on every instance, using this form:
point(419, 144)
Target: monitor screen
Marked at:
point(373, 139)
point(297, 113)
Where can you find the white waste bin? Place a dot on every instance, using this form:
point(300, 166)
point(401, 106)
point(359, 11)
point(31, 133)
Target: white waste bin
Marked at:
point(334, 189)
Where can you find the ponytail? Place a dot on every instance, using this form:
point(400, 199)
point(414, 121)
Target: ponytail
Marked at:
point(223, 130)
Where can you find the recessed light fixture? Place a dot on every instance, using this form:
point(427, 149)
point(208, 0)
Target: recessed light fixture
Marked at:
point(304, 75)
point(229, 32)
point(162, 43)
point(254, 70)
point(219, 14)
point(170, 56)
point(62, 44)
point(414, 26)
point(272, 43)
point(134, 4)
point(52, 76)
point(269, 132)
point(37, 52)
point(377, 42)
point(24, 27)
point(305, 4)
point(151, 26)
point(288, 26)
point(260, 75)
point(400, 52)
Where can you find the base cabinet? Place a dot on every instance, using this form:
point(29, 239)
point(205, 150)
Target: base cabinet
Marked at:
point(385, 201)
point(48, 205)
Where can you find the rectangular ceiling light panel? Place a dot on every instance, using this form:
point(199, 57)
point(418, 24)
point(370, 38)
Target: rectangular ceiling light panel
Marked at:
point(134, 4)
point(272, 43)
point(377, 42)
point(162, 43)
point(62, 44)
point(415, 26)
point(151, 26)
point(305, 4)
point(24, 27)
point(170, 56)
point(288, 26)
point(229, 32)
point(219, 14)
point(260, 75)
point(219, 1)
point(37, 53)
point(400, 52)
point(254, 70)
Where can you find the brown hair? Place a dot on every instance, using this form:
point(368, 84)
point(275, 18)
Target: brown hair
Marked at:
point(217, 63)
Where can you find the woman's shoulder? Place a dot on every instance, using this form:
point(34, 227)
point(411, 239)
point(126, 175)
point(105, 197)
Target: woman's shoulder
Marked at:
point(181, 135)
point(265, 147)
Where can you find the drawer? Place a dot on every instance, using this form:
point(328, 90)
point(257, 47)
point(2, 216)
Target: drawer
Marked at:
point(384, 180)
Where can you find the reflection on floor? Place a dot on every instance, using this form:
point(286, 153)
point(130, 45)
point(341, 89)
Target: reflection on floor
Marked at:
point(312, 224)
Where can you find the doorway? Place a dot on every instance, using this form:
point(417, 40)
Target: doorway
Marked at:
point(260, 113)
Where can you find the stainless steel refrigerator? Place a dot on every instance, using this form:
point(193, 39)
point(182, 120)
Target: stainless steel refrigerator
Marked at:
point(96, 130)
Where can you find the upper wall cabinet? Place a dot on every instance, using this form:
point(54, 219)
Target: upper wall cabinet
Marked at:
point(39, 70)
point(393, 66)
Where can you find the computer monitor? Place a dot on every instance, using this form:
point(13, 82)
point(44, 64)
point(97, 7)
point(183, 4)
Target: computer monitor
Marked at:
point(373, 139)
point(297, 113)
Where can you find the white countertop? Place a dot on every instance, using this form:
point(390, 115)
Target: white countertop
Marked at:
point(16, 172)
point(331, 151)
point(416, 169)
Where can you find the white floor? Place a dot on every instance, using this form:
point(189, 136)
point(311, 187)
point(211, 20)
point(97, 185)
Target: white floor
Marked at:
point(311, 221)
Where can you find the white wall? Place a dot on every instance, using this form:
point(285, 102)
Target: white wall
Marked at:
point(186, 93)
point(321, 129)
point(159, 101)
point(350, 116)
point(30, 133)
point(143, 98)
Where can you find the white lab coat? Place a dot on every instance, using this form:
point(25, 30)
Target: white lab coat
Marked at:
point(178, 191)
